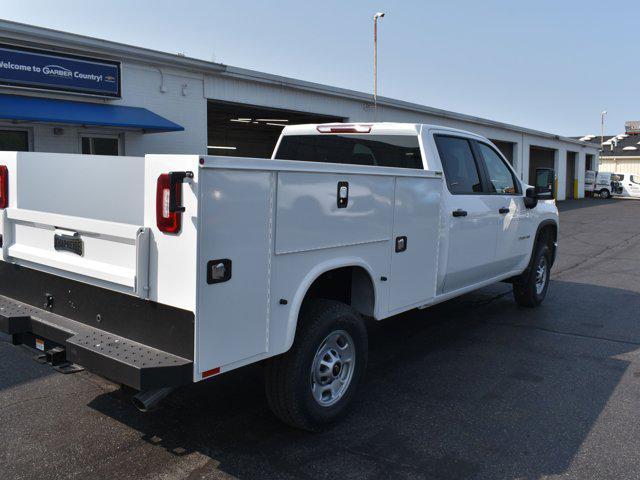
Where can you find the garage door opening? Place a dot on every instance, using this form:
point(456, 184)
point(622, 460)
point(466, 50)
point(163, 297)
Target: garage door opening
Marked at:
point(571, 184)
point(506, 148)
point(540, 157)
point(240, 130)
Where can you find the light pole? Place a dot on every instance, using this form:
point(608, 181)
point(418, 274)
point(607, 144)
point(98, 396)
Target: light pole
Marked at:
point(375, 59)
point(602, 115)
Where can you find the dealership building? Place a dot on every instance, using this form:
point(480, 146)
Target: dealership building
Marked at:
point(61, 92)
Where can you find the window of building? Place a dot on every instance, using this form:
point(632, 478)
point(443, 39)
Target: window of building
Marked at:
point(401, 151)
point(459, 165)
point(500, 178)
point(14, 140)
point(100, 145)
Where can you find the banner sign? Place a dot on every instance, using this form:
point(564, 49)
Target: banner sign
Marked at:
point(40, 70)
point(632, 127)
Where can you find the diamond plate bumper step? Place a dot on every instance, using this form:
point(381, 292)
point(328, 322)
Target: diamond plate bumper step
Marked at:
point(68, 342)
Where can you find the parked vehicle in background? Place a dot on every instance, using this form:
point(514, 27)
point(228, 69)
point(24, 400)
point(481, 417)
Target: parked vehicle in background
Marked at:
point(589, 182)
point(160, 271)
point(627, 185)
point(605, 185)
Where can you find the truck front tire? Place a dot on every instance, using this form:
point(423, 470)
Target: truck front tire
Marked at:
point(532, 289)
point(604, 193)
point(313, 383)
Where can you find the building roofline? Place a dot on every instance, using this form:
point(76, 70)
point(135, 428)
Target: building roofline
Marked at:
point(262, 77)
point(35, 34)
point(32, 33)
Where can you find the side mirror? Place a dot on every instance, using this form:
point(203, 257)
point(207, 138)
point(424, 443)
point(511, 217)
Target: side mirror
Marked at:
point(531, 198)
point(545, 180)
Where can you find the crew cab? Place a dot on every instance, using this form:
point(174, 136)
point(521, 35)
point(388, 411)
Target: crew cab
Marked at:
point(161, 271)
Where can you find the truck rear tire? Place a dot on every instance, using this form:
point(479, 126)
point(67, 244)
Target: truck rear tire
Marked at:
point(531, 291)
point(313, 383)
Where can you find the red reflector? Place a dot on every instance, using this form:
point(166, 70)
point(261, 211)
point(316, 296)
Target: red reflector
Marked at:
point(344, 128)
point(209, 373)
point(167, 221)
point(4, 186)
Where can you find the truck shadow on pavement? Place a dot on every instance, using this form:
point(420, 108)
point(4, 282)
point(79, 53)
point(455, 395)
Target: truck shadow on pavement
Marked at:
point(474, 388)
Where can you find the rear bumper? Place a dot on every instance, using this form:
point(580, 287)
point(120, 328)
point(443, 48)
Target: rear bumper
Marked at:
point(117, 358)
point(128, 340)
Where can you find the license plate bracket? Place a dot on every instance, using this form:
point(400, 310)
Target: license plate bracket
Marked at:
point(68, 243)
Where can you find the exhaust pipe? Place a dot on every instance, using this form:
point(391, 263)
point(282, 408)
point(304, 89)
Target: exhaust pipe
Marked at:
point(148, 400)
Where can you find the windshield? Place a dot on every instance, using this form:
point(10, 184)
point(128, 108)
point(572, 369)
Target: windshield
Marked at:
point(401, 151)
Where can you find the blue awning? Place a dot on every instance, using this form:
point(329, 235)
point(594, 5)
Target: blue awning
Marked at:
point(48, 110)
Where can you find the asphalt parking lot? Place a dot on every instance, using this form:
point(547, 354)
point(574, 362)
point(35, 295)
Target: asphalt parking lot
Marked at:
point(474, 388)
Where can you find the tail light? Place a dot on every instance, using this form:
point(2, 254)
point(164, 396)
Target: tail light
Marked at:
point(4, 186)
point(168, 221)
point(169, 201)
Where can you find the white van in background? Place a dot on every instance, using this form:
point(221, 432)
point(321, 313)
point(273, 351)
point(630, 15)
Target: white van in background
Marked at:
point(628, 185)
point(608, 184)
point(589, 181)
point(603, 185)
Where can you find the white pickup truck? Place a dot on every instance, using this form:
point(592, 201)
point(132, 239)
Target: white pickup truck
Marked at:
point(160, 271)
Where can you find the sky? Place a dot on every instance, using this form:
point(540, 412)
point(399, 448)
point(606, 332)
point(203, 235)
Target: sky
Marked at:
point(543, 64)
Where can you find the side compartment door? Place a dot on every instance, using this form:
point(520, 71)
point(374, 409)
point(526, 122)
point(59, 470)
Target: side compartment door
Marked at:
point(416, 236)
point(469, 215)
point(234, 248)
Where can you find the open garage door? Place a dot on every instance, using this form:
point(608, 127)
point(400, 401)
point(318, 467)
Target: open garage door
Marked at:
point(241, 130)
point(540, 157)
point(506, 148)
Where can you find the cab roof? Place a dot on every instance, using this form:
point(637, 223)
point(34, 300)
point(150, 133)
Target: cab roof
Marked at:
point(366, 128)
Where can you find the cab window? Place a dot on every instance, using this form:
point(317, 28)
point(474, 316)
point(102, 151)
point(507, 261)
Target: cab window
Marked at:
point(501, 180)
point(635, 179)
point(459, 164)
point(400, 151)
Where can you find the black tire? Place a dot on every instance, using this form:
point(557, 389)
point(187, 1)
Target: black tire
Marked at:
point(288, 377)
point(604, 193)
point(527, 291)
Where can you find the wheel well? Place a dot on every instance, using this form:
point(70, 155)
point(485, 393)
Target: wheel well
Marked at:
point(549, 234)
point(350, 285)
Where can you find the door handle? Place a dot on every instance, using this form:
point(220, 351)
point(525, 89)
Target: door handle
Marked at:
point(459, 213)
point(503, 210)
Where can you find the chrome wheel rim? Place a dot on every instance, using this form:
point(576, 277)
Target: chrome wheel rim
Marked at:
point(333, 367)
point(541, 275)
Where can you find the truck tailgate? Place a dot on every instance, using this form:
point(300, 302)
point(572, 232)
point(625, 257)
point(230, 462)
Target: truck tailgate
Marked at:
point(114, 255)
point(78, 216)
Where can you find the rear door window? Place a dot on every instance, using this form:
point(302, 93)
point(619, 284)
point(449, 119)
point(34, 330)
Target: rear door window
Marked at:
point(459, 164)
point(401, 151)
